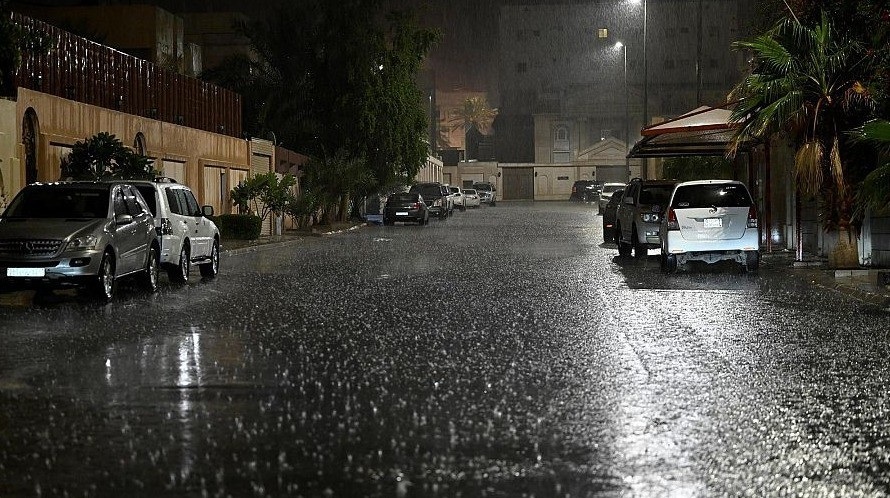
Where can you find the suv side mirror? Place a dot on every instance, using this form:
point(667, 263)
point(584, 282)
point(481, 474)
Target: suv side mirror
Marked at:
point(123, 219)
point(207, 211)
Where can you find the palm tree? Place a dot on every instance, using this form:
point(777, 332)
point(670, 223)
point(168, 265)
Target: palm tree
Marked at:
point(874, 193)
point(473, 112)
point(806, 84)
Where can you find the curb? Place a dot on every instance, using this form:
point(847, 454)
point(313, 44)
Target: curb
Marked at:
point(262, 245)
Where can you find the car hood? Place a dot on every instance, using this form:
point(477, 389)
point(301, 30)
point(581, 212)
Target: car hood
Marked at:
point(48, 228)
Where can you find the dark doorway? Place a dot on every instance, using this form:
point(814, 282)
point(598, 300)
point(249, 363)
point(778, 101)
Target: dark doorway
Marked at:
point(30, 137)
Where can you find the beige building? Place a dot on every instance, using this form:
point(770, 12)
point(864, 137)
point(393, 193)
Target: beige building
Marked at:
point(45, 127)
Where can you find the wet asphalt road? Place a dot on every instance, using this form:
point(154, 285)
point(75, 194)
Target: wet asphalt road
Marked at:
point(504, 352)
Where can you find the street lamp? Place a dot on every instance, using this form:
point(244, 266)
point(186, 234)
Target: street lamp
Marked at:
point(645, 168)
point(621, 46)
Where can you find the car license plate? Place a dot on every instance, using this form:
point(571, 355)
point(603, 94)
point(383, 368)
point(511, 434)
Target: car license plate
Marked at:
point(402, 213)
point(713, 222)
point(25, 272)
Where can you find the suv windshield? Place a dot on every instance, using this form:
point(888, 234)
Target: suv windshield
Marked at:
point(720, 195)
point(656, 195)
point(53, 202)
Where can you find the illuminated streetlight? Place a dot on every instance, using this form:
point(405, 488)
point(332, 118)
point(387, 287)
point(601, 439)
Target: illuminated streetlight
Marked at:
point(621, 46)
point(644, 171)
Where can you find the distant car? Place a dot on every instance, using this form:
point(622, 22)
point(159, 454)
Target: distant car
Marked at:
point(83, 234)
point(185, 232)
point(486, 192)
point(710, 221)
point(457, 194)
point(436, 201)
point(637, 220)
point(405, 207)
point(585, 191)
point(606, 194)
point(609, 217)
point(449, 199)
point(471, 198)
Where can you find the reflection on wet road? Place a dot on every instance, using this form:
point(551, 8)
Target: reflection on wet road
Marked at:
point(503, 352)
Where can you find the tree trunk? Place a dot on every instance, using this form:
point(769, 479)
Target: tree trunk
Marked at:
point(846, 252)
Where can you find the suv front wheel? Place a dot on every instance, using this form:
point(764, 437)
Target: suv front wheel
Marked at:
point(180, 272)
point(623, 248)
point(640, 249)
point(211, 268)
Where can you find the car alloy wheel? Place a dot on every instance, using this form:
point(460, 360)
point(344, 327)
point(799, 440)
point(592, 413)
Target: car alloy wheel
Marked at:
point(211, 268)
point(150, 276)
point(180, 272)
point(105, 285)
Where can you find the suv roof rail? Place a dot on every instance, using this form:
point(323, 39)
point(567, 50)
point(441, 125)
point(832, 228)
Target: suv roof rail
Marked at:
point(164, 179)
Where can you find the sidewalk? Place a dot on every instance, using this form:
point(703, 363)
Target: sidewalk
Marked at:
point(239, 246)
point(867, 285)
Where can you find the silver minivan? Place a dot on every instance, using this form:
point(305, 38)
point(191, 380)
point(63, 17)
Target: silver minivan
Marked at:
point(86, 234)
point(710, 221)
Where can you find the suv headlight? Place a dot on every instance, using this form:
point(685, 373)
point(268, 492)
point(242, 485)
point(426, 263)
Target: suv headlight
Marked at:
point(650, 217)
point(82, 243)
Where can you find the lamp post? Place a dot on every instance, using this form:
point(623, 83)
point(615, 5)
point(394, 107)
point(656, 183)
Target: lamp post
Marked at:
point(644, 172)
point(621, 46)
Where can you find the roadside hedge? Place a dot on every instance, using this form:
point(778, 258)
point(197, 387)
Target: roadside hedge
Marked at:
point(238, 226)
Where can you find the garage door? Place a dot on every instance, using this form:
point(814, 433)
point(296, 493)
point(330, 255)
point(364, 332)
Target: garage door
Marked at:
point(519, 183)
point(611, 174)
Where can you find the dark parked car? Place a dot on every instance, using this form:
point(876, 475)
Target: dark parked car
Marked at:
point(408, 206)
point(585, 191)
point(609, 216)
point(486, 192)
point(84, 234)
point(433, 196)
point(638, 219)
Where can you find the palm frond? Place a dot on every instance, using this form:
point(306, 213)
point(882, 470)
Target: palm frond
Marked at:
point(808, 166)
point(874, 192)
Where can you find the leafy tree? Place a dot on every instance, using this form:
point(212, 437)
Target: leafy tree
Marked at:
point(14, 41)
point(697, 168)
point(263, 194)
point(807, 83)
point(103, 156)
point(335, 180)
point(330, 75)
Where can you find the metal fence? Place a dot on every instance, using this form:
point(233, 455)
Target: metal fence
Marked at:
point(78, 69)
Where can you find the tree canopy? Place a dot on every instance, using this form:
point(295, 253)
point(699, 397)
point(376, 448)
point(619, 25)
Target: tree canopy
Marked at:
point(104, 156)
point(336, 75)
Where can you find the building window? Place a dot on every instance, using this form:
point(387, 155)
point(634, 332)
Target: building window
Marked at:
point(521, 67)
point(562, 133)
point(562, 157)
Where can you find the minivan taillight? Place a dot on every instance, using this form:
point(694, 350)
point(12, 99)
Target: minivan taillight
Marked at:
point(752, 217)
point(672, 223)
point(166, 227)
point(416, 205)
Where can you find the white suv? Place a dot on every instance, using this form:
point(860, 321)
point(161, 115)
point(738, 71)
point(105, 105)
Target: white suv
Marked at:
point(185, 234)
point(710, 221)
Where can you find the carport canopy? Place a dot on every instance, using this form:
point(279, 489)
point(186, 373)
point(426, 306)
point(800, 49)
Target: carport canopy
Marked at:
point(705, 131)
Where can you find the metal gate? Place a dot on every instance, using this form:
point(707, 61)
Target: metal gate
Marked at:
point(519, 183)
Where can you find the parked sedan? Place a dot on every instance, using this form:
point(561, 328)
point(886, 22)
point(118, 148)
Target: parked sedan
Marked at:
point(610, 215)
point(472, 198)
point(83, 234)
point(606, 194)
point(710, 221)
point(457, 194)
point(405, 207)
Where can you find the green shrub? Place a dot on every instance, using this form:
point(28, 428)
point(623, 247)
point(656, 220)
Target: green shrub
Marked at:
point(238, 226)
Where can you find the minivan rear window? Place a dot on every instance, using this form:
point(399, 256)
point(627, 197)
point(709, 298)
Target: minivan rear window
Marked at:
point(717, 195)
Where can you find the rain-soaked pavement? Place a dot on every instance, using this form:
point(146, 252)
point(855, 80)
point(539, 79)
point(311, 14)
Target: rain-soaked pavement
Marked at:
point(504, 352)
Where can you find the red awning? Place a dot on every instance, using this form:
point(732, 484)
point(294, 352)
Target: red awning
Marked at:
point(705, 131)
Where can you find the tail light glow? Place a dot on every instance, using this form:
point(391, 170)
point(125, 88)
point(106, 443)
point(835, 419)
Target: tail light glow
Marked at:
point(752, 217)
point(672, 223)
